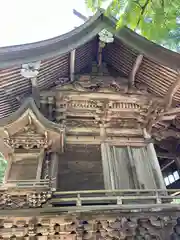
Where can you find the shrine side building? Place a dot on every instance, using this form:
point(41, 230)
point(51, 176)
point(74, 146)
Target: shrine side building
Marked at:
point(89, 126)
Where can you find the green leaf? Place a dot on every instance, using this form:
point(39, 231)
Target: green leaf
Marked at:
point(155, 19)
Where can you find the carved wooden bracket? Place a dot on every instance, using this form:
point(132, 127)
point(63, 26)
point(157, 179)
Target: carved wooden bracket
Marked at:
point(124, 227)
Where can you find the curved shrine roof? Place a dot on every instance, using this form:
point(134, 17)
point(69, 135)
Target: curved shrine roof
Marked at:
point(158, 69)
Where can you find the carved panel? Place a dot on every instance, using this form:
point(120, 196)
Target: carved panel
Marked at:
point(18, 201)
point(27, 138)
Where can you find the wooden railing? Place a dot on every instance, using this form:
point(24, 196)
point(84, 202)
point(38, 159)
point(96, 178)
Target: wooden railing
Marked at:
point(40, 192)
point(115, 197)
point(42, 183)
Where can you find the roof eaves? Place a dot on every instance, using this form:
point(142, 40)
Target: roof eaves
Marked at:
point(16, 55)
point(29, 103)
point(10, 56)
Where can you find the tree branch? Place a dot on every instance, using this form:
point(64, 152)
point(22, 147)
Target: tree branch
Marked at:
point(143, 8)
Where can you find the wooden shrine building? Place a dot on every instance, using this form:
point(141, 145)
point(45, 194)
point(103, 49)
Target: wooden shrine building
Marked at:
point(88, 122)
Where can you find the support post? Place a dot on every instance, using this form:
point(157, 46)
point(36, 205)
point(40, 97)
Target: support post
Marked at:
point(107, 166)
point(72, 64)
point(35, 91)
point(54, 169)
point(40, 165)
point(154, 163)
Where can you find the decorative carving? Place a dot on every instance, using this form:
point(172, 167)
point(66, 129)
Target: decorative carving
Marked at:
point(30, 70)
point(30, 200)
point(28, 138)
point(105, 36)
point(149, 228)
point(81, 123)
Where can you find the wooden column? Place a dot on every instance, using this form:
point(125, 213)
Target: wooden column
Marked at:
point(158, 177)
point(107, 166)
point(40, 165)
point(72, 64)
point(106, 160)
point(44, 105)
point(51, 103)
point(35, 91)
point(9, 163)
point(54, 169)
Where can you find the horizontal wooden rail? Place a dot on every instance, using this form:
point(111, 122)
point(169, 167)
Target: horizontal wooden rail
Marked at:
point(115, 197)
point(42, 183)
point(137, 191)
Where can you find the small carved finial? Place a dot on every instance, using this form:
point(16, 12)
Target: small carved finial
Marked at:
point(30, 70)
point(105, 36)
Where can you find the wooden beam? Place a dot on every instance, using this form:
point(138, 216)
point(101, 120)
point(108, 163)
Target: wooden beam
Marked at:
point(72, 64)
point(172, 90)
point(167, 164)
point(135, 68)
point(166, 155)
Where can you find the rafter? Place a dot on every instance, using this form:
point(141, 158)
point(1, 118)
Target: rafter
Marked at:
point(135, 68)
point(172, 90)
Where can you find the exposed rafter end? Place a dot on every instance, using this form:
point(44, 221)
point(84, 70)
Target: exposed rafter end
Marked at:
point(171, 91)
point(72, 64)
point(135, 68)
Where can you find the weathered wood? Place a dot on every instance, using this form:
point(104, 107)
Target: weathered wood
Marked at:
point(171, 91)
point(80, 168)
point(72, 64)
point(134, 70)
point(35, 91)
point(92, 225)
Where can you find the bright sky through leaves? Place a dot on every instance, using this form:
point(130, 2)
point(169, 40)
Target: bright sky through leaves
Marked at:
point(25, 21)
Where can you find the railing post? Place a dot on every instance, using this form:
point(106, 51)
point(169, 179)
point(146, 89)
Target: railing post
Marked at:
point(158, 198)
point(119, 200)
point(78, 201)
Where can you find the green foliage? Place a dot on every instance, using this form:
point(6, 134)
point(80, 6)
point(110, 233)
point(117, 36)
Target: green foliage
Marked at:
point(3, 165)
point(154, 19)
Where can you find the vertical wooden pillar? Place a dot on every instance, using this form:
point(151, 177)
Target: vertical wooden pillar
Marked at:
point(51, 105)
point(158, 177)
point(35, 91)
point(40, 165)
point(54, 169)
point(44, 105)
point(107, 166)
point(9, 163)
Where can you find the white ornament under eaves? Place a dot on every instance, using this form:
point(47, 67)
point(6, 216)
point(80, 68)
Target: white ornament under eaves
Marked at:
point(106, 36)
point(30, 70)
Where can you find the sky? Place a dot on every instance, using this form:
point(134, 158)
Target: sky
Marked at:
point(23, 21)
